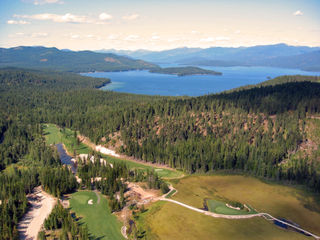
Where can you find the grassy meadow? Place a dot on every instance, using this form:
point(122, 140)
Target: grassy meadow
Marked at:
point(169, 221)
point(101, 223)
point(280, 201)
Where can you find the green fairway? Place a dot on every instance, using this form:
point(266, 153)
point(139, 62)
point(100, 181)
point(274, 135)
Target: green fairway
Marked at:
point(101, 223)
point(162, 172)
point(220, 207)
point(54, 135)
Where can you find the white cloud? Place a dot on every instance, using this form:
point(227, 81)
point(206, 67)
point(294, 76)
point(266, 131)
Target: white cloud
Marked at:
point(41, 2)
point(222, 38)
point(75, 36)
point(112, 37)
point(131, 17)
point(208, 39)
point(66, 18)
point(213, 39)
point(39, 35)
point(155, 37)
point(105, 17)
point(132, 38)
point(298, 13)
point(22, 22)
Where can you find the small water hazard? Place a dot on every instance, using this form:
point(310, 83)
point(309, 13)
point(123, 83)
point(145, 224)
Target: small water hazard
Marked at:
point(65, 158)
point(282, 225)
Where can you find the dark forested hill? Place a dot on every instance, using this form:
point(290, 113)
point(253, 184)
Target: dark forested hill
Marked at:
point(55, 59)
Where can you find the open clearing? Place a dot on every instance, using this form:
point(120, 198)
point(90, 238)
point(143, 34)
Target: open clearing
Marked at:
point(54, 135)
point(280, 201)
point(101, 223)
point(169, 221)
point(41, 206)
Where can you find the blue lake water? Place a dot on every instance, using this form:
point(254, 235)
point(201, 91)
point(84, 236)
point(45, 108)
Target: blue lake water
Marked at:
point(143, 82)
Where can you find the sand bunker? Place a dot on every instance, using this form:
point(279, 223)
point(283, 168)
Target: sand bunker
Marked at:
point(90, 202)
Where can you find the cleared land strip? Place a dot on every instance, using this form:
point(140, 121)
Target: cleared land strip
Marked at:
point(41, 206)
point(216, 215)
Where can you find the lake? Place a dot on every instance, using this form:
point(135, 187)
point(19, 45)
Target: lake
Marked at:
point(143, 82)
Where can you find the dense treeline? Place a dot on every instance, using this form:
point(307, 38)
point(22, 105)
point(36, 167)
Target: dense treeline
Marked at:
point(58, 180)
point(61, 219)
point(14, 185)
point(251, 130)
point(111, 180)
point(12, 78)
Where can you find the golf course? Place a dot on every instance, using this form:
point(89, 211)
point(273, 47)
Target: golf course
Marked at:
point(93, 210)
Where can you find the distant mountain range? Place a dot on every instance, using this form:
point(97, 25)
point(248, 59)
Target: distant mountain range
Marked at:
point(66, 60)
point(278, 55)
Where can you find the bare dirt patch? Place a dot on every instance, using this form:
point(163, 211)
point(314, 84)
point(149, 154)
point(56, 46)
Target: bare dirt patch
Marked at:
point(41, 206)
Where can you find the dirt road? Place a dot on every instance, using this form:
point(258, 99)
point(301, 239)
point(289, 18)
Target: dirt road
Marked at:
point(41, 206)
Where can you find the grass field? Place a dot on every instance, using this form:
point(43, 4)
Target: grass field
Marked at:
point(169, 221)
point(162, 172)
point(220, 207)
point(101, 223)
point(280, 201)
point(53, 135)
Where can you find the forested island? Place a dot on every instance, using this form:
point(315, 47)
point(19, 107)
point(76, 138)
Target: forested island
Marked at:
point(184, 71)
point(268, 131)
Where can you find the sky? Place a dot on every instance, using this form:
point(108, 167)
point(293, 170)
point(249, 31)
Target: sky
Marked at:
point(158, 25)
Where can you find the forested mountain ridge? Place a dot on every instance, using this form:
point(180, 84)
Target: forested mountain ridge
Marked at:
point(276, 55)
point(258, 131)
point(55, 59)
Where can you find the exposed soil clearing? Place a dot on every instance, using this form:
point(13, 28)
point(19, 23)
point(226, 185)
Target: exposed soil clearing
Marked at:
point(110, 152)
point(41, 206)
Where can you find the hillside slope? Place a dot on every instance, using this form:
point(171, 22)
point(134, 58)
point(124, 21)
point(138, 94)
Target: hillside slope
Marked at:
point(55, 59)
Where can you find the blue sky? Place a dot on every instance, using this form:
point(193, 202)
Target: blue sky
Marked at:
point(151, 24)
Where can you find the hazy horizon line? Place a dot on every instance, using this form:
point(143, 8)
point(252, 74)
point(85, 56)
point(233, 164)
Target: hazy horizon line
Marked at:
point(162, 49)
